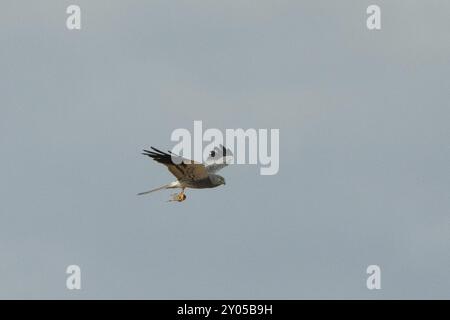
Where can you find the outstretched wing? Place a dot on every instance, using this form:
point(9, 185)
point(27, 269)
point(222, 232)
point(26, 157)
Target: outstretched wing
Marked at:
point(181, 168)
point(218, 158)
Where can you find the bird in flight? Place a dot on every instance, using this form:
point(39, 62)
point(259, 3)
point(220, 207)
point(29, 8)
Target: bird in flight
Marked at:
point(191, 174)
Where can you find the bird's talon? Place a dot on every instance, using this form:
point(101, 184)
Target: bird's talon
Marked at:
point(179, 197)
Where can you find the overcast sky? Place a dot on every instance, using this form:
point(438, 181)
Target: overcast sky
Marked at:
point(364, 121)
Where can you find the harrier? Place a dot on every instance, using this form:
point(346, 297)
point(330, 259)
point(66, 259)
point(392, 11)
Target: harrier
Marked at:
point(191, 174)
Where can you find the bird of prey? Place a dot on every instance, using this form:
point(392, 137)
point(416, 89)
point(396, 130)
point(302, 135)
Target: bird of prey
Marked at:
point(191, 174)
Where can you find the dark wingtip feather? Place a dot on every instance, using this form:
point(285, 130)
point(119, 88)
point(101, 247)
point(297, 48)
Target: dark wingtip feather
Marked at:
point(158, 155)
point(158, 151)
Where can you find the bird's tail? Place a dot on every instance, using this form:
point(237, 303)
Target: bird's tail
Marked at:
point(166, 186)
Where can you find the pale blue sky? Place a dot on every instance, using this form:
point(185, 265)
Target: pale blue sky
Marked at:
point(364, 141)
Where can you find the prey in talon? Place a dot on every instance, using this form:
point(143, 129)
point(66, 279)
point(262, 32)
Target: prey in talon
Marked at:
point(179, 197)
point(191, 174)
